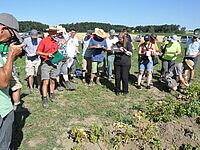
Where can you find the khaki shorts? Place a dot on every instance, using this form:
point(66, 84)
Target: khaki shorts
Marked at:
point(87, 64)
point(48, 71)
point(97, 66)
point(32, 67)
point(15, 83)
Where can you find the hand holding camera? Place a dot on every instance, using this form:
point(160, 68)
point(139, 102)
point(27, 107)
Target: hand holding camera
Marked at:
point(15, 50)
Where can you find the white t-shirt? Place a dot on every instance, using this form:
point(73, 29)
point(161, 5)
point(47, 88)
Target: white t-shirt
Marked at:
point(71, 46)
point(111, 41)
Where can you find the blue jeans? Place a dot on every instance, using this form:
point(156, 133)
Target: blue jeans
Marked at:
point(110, 65)
point(146, 65)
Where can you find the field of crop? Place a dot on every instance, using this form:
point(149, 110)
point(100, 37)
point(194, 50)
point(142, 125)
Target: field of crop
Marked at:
point(94, 118)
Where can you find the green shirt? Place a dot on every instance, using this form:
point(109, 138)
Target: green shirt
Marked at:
point(171, 49)
point(3, 49)
point(5, 101)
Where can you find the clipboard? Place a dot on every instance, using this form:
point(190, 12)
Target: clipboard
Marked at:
point(57, 57)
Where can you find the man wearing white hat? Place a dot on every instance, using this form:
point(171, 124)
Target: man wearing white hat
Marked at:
point(46, 49)
point(98, 45)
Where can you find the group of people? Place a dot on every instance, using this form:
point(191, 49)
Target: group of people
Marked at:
point(52, 60)
point(175, 75)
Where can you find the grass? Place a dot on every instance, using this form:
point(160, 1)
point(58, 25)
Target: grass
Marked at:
point(45, 129)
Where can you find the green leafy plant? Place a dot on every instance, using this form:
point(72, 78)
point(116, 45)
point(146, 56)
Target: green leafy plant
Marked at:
point(76, 148)
point(156, 143)
point(188, 147)
point(94, 133)
point(78, 135)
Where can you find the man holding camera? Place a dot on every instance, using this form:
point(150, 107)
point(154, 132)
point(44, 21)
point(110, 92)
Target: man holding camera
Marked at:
point(9, 35)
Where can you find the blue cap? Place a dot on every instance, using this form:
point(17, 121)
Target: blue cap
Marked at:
point(147, 37)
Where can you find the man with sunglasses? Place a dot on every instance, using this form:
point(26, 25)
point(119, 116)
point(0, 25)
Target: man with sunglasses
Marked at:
point(9, 35)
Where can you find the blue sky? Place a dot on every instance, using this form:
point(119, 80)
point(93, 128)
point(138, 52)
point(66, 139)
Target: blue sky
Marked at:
point(123, 12)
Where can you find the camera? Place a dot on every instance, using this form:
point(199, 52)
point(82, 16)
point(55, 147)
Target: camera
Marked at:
point(16, 41)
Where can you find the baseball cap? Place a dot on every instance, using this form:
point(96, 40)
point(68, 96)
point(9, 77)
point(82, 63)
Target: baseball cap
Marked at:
point(89, 32)
point(34, 32)
point(147, 37)
point(169, 38)
point(11, 22)
point(174, 38)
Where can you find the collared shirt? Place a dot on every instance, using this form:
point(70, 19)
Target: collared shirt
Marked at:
point(47, 45)
point(193, 48)
point(31, 46)
point(5, 101)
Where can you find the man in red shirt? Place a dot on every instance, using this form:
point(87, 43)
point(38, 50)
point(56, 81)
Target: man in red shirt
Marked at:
point(47, 47)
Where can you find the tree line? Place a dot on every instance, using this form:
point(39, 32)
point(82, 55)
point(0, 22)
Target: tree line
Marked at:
point(84, 26)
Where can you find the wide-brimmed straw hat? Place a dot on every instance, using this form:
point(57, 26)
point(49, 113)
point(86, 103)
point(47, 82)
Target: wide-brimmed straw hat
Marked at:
point(60, 29)
point(53, 28)
point(100, 33)
point(189, 63)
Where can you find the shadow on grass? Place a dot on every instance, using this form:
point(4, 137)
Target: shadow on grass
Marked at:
point(160, 85)
point(109, 85)
point(132, 79)
point(20, 118)
point(23, 95)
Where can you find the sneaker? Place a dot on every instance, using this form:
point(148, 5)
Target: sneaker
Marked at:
point(125, 93)
point(139, 87)
point(98, 82)
point(117, 94)
point(148, 87)
point(45, 102)
point(53, 99)
point(83, 81)
point(72, 86)
point(73, 81)
point(69, 86)
point(31, 90)
point(91, 83)
point(59, 88)
point(110, 79)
